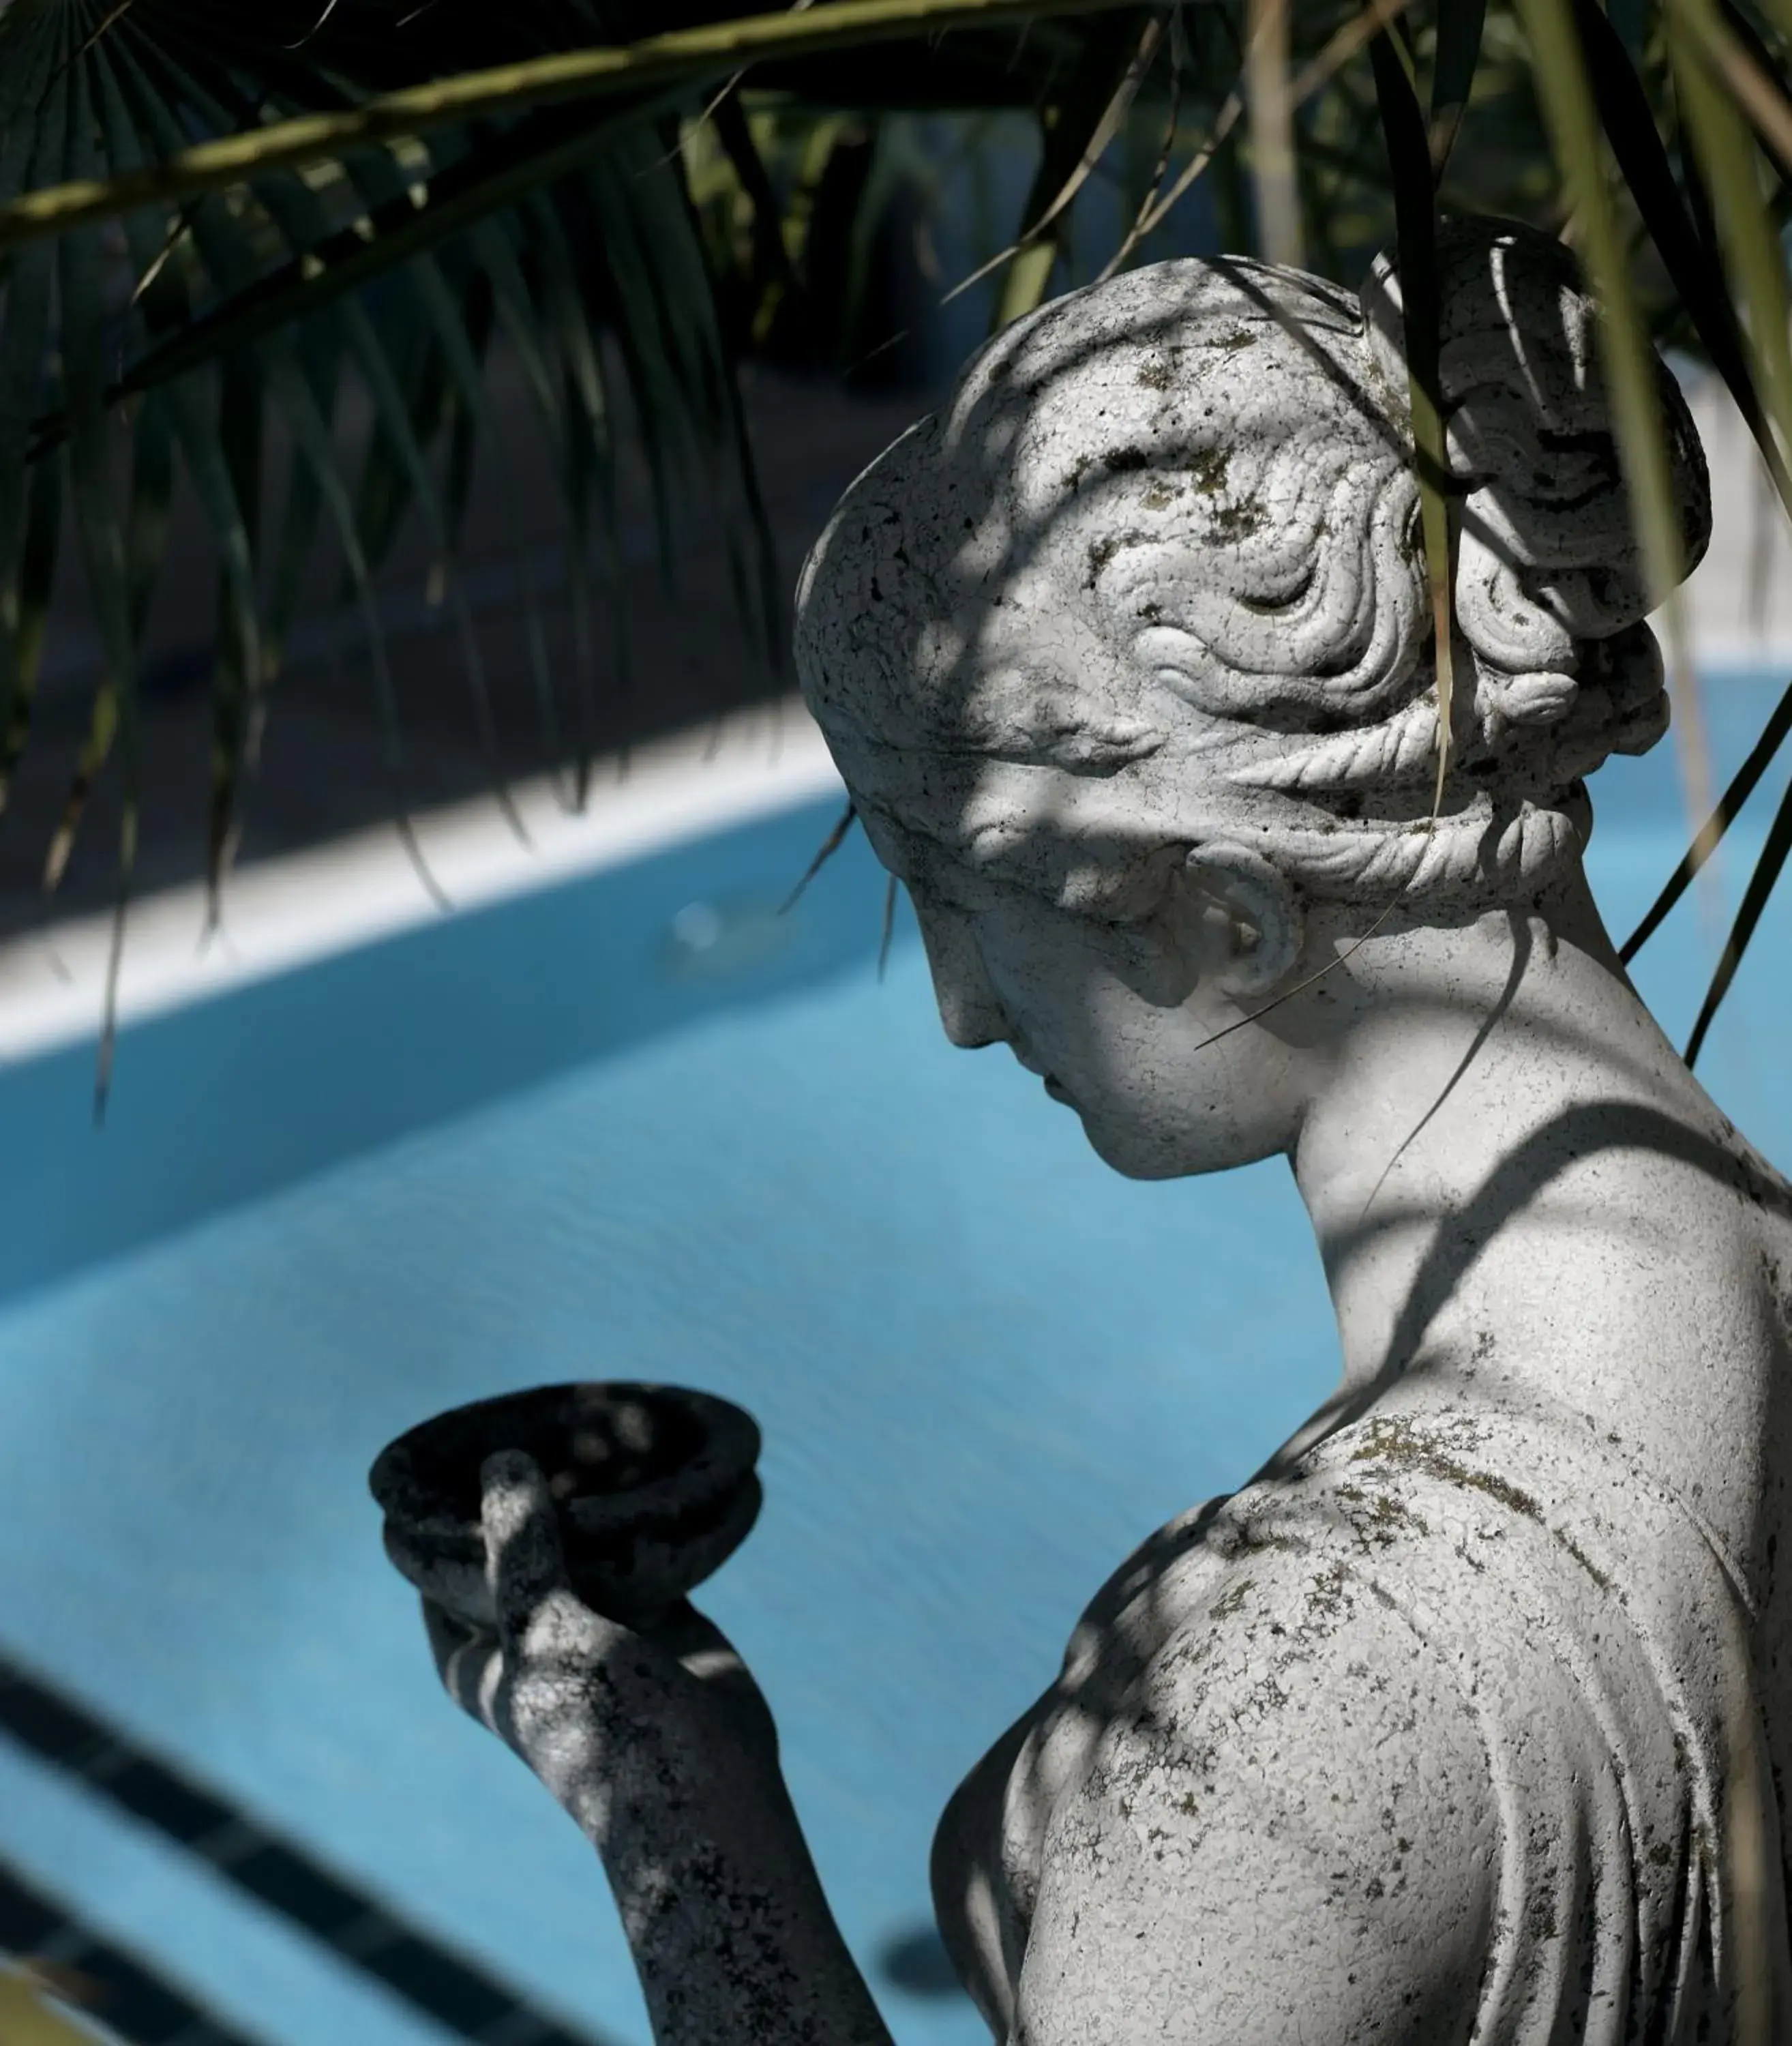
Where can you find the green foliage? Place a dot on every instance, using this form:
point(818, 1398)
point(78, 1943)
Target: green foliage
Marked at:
point(225, 229)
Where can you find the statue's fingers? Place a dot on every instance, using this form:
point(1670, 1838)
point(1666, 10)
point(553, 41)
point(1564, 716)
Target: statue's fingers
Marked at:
point(524, 1562)
point(466, 1660)
point(447, 1634)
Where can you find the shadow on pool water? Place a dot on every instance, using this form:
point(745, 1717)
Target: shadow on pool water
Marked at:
point(916, 1963)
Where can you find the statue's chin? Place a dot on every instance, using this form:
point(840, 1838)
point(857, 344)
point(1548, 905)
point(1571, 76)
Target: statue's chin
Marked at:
point(1134, 1154)
point(1145, 1148)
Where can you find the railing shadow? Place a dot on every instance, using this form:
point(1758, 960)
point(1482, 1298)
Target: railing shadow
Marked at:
point(114, 1990)
point(361, 1933)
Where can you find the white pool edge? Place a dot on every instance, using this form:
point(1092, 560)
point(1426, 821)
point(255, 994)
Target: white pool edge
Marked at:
point(286, 912)
point(282, 914)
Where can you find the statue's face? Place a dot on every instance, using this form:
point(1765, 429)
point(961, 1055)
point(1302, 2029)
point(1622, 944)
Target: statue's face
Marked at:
point(1116, 1016)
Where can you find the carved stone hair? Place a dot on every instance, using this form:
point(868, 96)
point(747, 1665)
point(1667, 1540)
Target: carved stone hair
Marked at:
point(1163, 547)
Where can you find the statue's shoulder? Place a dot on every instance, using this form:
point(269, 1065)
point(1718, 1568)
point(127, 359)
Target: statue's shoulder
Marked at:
point(1362, 1753)
point(1236, 1721)
point(1285, 1825)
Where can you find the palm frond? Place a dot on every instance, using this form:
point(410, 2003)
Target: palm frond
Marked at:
point(1411, 169)
point(674, 62)
point(227, 234)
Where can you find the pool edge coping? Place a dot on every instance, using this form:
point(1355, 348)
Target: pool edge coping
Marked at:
point(291, 910)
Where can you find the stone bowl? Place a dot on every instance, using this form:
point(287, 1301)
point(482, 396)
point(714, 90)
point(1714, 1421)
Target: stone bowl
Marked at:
point(654, 1485)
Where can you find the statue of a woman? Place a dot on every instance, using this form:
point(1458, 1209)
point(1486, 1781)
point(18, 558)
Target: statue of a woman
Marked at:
point(1466, 1719)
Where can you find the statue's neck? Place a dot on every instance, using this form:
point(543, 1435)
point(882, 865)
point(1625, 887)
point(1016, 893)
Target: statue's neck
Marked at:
point(1520, 1193)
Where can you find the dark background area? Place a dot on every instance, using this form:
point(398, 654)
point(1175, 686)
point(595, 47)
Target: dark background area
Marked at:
point(827, 382)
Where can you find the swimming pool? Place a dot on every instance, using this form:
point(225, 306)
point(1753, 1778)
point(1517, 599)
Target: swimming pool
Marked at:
point(628, 1124)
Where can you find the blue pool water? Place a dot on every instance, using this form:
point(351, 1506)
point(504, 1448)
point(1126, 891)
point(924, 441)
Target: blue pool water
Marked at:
point(572, 1137)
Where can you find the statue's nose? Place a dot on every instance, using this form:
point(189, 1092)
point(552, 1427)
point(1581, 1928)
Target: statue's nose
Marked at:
point(970, 1011)
point(970, 1025)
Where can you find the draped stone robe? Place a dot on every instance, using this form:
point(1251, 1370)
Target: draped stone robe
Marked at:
point(1534, 1660)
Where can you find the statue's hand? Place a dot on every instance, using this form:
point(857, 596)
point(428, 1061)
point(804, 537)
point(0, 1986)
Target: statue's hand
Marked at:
point(609, 1718)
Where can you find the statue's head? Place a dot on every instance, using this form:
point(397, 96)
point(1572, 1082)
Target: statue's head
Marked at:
point(1126, 655)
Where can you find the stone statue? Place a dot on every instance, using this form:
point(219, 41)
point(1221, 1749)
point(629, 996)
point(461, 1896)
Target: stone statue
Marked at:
point(1466, 1719)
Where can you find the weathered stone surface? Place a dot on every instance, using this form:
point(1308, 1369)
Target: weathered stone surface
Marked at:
point(1161, 554)
point(653, 1486)
point(1465, 1719)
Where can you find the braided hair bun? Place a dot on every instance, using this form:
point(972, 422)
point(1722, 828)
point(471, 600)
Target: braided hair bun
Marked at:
point(1164, 540)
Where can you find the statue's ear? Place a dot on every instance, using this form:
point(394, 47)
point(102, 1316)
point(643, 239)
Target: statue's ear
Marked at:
point(1260, 925)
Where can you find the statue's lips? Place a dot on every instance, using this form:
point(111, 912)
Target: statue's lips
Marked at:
point(1053, 1086)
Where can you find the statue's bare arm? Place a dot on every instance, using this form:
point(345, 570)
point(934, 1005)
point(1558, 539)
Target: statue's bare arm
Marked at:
point(661, 1749)
point(1276, 1850)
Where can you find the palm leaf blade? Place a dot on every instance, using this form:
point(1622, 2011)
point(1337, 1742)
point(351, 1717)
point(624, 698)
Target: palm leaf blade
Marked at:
point(1409, 162)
